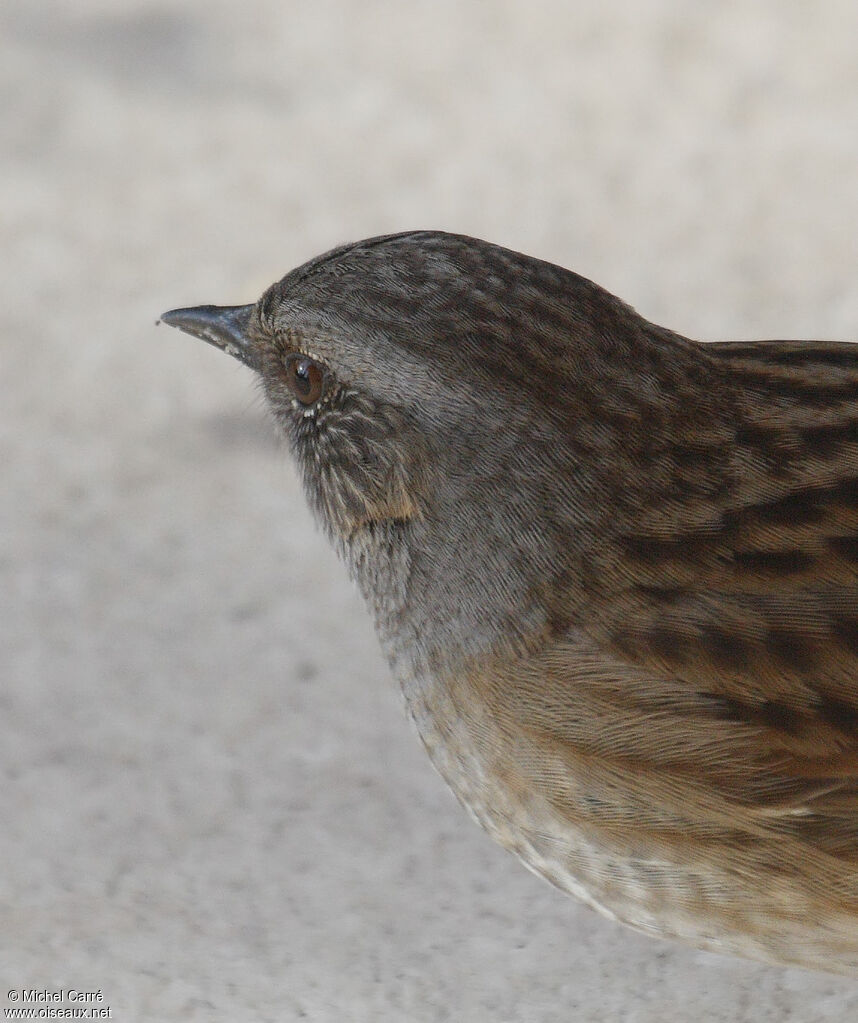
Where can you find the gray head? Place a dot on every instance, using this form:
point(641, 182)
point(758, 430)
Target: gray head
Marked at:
point(452, 407)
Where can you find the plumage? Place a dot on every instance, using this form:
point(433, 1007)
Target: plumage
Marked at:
point(614, 570)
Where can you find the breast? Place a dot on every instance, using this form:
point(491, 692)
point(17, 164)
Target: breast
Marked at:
point(557, 758)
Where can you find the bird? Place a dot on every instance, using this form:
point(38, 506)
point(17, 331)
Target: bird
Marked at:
point(614, 571)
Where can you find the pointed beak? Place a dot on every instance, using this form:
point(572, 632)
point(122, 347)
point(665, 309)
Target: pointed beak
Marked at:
point(225, 327)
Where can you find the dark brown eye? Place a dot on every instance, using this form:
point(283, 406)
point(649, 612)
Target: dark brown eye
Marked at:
point(306, 378)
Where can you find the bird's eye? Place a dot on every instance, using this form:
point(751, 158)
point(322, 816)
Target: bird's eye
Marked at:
point(306, 378)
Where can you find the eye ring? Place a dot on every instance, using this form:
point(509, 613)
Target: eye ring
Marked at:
point(305, 377)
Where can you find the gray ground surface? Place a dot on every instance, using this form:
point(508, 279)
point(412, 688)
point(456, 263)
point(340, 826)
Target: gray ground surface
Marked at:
point(212, 807)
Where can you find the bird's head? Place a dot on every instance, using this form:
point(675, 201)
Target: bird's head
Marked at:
point(394, 363)
point(449, 404)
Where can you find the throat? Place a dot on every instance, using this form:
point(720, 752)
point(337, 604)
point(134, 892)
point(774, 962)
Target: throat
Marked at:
point(437, 610)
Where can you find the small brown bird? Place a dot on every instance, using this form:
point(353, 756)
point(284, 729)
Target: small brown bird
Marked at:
point(615, 572)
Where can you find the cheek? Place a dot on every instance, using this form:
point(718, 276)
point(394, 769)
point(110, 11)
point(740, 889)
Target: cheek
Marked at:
point(357, 468)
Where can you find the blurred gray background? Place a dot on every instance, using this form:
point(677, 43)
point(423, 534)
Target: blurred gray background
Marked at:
point(212, 807)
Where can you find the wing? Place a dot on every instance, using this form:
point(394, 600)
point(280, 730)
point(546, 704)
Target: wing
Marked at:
point(722, 654)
